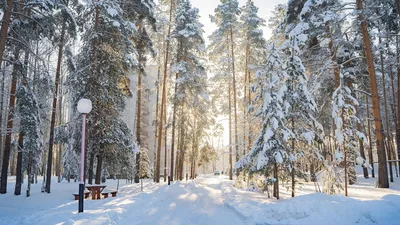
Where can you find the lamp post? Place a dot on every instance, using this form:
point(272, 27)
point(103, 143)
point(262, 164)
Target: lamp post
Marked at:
point(84, 107)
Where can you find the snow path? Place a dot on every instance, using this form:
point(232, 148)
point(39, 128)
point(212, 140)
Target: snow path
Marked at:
point(182, 203)
point(195, 202)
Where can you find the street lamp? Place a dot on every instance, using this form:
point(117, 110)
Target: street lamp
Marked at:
point(84, 107)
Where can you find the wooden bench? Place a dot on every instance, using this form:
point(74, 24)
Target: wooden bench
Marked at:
point(105, 194)
point(86, 195)
point(113, 193)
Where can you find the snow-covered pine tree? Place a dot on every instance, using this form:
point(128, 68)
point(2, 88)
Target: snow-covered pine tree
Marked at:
point(347, 137)
point(65, 16)
point(30, 127)
point(254, 45)
point(301, 108)
point(106, 58)
point(145, 167)
point(269, 151)
point(190, 74)
point(32, 23)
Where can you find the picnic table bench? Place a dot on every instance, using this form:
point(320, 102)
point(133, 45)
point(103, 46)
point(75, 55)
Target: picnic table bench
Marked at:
point(95, 190)
point(113, 194)
point(86, 195)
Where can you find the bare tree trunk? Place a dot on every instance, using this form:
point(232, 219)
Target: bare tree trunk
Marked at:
point(398, 99)
point(10, 123)
point(383, 181)
point(18, 179)
point(293, 170)
point(138, 121)
point(156, 124)
point(386, 112)
point(245, 103)
point(59, 158)
point(230, 133)
point(175, 105)
point(276, 183)
point(370, 155)
point(394, 113)
point(163, 99)
point(361, 145)
point(99, 166)
point(54, 108)
point(234, 96)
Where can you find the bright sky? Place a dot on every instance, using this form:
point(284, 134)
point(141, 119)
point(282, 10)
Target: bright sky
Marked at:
point(207, 7)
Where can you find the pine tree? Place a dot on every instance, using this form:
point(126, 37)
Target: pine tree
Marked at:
point(269, 150)
point(301, 109)
point(254, 45)
point(223, 44)
point(189, 69)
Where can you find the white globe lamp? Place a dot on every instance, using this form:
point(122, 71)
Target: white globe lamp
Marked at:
point(84, 106)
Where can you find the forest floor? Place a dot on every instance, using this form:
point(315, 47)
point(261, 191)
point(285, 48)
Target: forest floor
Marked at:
point(208, 200)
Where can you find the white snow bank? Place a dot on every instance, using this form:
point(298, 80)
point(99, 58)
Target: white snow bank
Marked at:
point(312, 209)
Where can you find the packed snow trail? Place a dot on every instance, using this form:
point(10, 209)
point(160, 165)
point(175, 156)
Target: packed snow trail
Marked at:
point(195, 202)
point(198, 202)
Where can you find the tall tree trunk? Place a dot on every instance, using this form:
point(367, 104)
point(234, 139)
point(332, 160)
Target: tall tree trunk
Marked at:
point(18, 179)
point(361, 145)
point(138, 121)
point(163, 99)
point(230, 133)
point(386, 111)
point(179, 53)
point(234, 96)
point(30, 174)
point(1, 111)
point(165, 145)
point(293, 170)
point(398, 99)
point(10, 123)
point(394, 113)
point(54, 108)
point(245, 102)
point(90, 169)
point(4, 27)
point(370, 155)
point(60, 112)
point(156, 123)
point(99, 166)
point(383, 181)
point(276, 183)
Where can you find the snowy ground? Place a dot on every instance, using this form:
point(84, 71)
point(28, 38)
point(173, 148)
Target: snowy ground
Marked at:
point(207, 200)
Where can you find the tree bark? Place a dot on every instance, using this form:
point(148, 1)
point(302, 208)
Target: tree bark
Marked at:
point(230, 134)
point(370, 155)
point(174, 114)
point(18, 179)
point(10, 123)
point(234, 96)
point(54, 107)
point(361, 145)
point(138, 121)
point(386, 112)
point(163, 99)
point(99, 167)
point(383, 181)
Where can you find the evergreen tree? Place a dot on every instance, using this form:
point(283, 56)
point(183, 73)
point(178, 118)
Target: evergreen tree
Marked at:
point(269, 150)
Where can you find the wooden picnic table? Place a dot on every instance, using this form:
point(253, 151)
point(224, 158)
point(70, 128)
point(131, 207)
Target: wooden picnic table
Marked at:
point(95, 190)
